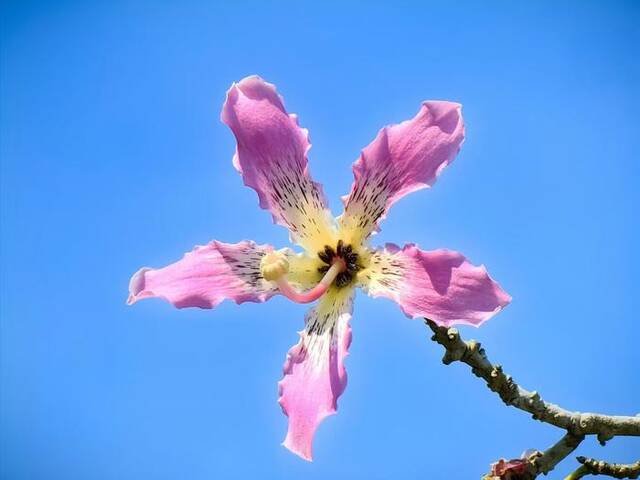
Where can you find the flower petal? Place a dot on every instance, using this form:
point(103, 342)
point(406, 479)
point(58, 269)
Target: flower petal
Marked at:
point(271, 155)
point(440, 285)
point(206, 276)
point(314, 373)
point(403, 158)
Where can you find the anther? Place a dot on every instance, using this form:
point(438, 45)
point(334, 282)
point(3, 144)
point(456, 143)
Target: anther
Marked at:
point(343, 279)
point(327, 254)
point(346, 256)
point(329, 251)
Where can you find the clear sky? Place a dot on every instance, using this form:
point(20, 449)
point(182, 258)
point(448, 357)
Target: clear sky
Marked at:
point(113, 157)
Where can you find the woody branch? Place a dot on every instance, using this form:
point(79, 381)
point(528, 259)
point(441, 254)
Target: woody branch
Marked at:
point(576, 424)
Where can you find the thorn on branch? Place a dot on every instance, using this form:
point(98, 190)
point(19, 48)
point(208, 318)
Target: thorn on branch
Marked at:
point(603, 438)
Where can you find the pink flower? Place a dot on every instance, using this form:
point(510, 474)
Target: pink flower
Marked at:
point(271, 156)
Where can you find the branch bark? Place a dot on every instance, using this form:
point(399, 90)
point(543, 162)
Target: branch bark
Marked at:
point(558, 452)
point(471, 353)
point(591, 466)
point(576, 424)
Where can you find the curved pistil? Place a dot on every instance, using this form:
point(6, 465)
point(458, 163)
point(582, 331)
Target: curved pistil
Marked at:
point(317, 291)
point(275, 268)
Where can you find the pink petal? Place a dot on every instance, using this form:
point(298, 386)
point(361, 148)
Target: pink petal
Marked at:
point(271, 155)
point(206, 276)
point(314, 373)
point(440, 285)
point(403, 158)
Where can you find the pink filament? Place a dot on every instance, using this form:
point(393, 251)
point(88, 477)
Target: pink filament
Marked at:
point(316, 292)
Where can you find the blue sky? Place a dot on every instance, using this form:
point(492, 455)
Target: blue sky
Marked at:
point(113, 157)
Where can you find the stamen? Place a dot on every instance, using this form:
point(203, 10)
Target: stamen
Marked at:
point(345, 254)
point(327, 254)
